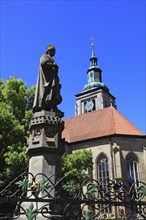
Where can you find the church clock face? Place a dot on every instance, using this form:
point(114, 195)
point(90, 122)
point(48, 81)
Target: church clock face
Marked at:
point(89, 105)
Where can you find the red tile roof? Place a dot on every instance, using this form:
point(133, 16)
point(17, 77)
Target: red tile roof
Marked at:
point(104, 122)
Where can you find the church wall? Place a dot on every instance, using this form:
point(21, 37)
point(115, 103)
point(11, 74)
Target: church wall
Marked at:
point(136, 147)
point(115, 149)
point(96, 147)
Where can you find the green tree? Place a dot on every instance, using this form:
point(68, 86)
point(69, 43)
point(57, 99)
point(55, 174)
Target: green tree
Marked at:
point(15, 113)
point(74, 167)
point(16, 102)
point(77, 163)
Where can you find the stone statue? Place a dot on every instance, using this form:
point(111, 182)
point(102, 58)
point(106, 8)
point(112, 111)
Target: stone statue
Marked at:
point(47, 95)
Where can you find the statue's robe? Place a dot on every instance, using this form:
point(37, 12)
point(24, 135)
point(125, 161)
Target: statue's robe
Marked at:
point(47, 95)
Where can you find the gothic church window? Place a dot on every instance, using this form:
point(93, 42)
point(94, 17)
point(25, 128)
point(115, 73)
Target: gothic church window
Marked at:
point(103, 179)
point(132, 167)
point(102, 168)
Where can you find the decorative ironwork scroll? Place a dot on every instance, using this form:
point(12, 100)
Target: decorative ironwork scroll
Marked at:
point(68, 198)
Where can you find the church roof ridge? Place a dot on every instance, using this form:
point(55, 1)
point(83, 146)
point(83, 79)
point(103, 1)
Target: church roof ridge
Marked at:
point(127, 121)
point(114, 123)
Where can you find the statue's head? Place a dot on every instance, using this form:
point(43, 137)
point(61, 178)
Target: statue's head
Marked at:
point(51, 50)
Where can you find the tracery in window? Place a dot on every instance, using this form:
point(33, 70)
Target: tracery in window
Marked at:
point(102, 169)
point(103, 180)
point(132, 167)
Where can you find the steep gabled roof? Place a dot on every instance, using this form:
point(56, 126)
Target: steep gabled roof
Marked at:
point(104, 122)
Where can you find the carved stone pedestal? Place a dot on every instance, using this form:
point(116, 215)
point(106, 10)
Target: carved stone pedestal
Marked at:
point(45, 144)
point(45, 149)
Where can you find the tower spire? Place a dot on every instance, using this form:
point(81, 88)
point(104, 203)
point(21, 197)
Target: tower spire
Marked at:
point(93, 52)
point(94, 72)
point(95, 94)
point(93, 59)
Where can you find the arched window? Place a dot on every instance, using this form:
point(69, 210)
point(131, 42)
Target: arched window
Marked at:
point(102, 169)
point(132, 167)
point(103, 180)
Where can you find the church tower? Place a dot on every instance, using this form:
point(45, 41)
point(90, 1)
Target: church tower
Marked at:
point(95, 94)
point(118, 147)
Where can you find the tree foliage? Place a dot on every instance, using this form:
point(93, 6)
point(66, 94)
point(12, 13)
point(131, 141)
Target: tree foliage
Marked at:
point(15, 113)
point(77, 163)
point(16, 102)
point(74, 167)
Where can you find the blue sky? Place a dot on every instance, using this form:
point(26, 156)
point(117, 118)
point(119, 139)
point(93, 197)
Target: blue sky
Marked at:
point(118, 27)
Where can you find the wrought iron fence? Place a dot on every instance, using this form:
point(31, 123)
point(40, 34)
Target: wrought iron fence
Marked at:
point(67, 198)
